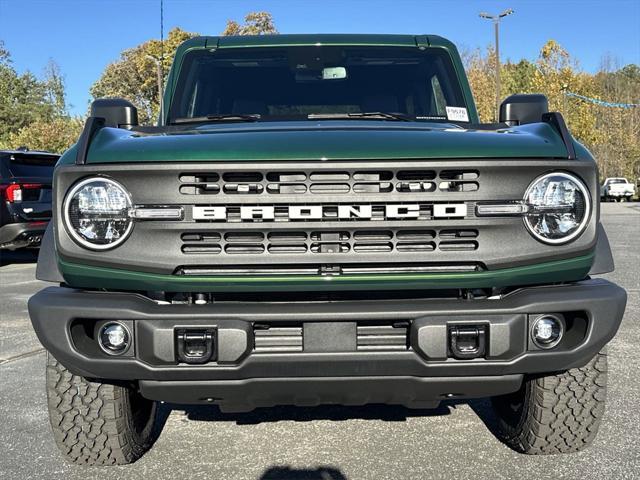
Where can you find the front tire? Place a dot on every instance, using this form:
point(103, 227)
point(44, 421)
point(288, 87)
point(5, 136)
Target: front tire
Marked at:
point(557, 413)
point(97, 423)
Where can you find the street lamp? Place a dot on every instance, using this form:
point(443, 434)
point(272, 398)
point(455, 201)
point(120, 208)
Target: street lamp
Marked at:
point(496, 22)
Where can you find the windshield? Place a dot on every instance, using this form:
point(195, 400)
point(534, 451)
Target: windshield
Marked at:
point(298, 82)
point(617, 180)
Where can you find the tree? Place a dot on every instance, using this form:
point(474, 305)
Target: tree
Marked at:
point(25, 99)
point(134, 75)
point(612, 133)
point(255, 23)
point(55, 135)
point(557, 73)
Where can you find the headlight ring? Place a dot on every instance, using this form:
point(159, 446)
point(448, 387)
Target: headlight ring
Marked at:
point(559, 208)
point(96, 213)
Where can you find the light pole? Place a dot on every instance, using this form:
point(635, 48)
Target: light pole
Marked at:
point(496, 24)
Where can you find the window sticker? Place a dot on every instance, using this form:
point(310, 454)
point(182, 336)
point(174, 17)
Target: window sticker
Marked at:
point(457, 114)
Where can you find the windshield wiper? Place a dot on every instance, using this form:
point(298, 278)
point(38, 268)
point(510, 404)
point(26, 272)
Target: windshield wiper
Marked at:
point(358, 115)
point(217, 118)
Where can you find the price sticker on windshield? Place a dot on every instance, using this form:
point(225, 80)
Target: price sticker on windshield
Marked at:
point(457, 114)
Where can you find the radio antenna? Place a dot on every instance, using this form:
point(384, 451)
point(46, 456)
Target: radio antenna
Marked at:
point(161, 82)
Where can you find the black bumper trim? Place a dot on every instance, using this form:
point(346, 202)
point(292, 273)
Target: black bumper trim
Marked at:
point(19, 235)
point(246, 395)
point(54, 309)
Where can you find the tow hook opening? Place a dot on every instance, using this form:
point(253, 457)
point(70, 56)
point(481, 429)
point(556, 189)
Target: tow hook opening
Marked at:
point(467, 342)
point(195, 345)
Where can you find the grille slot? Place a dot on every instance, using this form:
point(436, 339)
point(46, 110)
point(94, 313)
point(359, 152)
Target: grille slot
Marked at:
point(330, 188)
point(372, 247)
point(212, 249)
point(249, 248)
point(242, 237)
point(405, 247)
point(278, 339)
point(381, 338)
point(461, 246)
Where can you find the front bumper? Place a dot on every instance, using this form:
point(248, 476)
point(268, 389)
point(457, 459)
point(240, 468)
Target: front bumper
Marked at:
point(619, 194)
point(331, 370)
point(22, 235)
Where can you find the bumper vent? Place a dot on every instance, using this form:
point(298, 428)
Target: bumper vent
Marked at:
point(277, 339)
point(382, 338)
point(370, 337)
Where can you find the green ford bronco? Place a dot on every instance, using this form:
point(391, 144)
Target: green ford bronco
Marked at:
point(322, 219)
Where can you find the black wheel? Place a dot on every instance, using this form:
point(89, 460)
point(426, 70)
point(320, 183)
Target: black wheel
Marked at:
point(97, 423)
point(555, 414)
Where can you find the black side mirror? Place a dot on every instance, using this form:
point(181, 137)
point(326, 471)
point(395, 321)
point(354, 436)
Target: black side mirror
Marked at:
point(521, 109)
point(117, 112)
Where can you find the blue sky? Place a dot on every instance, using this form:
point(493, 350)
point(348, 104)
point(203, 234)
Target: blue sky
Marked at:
point(83, 36)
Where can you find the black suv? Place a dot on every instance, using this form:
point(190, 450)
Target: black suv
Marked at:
point(25, 189)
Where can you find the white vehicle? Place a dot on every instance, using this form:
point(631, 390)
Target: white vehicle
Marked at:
point(618, 189)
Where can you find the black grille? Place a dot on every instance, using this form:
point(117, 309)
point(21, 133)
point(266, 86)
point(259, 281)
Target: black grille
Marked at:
point(419, 241)
point(329, 182)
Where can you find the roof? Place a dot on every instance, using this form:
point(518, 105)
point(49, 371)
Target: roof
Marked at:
point(284, 40)
point(29, 152)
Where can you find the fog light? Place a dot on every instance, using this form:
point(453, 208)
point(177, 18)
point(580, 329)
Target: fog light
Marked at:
point(547, 331)
point(114, 338)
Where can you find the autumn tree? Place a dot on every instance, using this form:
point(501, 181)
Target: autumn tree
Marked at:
point(134, 76)
point(255, 23)
point(611, 132)
point(55, 135)
point(33, 111)
point(24, 98)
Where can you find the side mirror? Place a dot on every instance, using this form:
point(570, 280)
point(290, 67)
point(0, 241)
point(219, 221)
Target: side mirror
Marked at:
point(521, 109)
point(117, 112)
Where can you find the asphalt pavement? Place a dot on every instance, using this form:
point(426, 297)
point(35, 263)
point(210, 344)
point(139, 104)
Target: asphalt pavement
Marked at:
point(322, 443)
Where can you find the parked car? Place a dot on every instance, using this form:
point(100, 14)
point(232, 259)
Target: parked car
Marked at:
point(25, 190)
point(617, 189)
point(323, 219)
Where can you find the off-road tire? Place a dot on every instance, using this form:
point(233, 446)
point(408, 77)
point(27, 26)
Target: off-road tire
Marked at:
point(557, 413)
point(97, 423)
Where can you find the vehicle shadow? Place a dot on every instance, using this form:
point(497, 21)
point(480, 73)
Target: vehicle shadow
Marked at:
point(389, 413)
point(288, 473)
point(8, 257)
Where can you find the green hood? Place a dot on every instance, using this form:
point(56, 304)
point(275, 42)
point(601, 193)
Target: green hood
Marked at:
point(324, 140)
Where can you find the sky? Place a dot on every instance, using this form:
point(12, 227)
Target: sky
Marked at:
point(83, 36)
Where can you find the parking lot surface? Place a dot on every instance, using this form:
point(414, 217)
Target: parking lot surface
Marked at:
point(323, 443)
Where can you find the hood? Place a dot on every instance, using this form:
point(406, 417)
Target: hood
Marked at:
point(323, 140)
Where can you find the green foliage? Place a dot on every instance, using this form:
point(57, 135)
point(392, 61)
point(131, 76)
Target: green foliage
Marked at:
point(25, 101)
point(55, 135)
point(612, 134)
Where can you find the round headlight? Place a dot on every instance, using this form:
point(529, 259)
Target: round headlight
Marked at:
point(96, 213)
point(558, 208)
